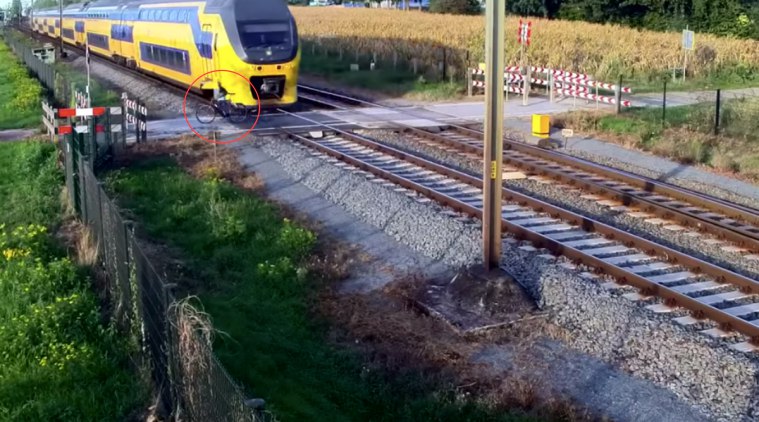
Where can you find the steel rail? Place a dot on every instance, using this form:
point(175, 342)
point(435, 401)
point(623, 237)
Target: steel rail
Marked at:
point(671, 296)
point(606, 187)
point(721, 206)
point(649, 185)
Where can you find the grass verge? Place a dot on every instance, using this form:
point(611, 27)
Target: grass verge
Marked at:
point(58, 361)
point(19, 93)
point(687, 136)
point(255, 282)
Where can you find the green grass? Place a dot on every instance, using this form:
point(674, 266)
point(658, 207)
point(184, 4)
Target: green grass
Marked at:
point(248, 257)
point(58, 362)
point(687, 134)
point(384, 79)
point(19, 93)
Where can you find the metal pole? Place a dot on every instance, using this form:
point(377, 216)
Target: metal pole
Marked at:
point(60, 27)
point(664, 106)
point(494, 65)
point(716, 116)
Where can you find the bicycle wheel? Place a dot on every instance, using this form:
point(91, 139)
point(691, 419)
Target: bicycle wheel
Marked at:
point(205, 113)
point(238, 114)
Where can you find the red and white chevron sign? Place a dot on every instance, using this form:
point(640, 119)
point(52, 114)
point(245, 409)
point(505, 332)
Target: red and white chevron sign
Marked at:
point(507, 87)
point(592, 97)
point(593, 84)
point(525, 32)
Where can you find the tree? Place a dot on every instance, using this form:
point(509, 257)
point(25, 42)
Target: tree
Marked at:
point(15, 11)
point(542, 8)
point(459, 7)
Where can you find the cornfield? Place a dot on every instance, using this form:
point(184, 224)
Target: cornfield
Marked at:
point(605, 51)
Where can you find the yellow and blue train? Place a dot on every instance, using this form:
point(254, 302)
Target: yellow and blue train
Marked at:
point(181, 40)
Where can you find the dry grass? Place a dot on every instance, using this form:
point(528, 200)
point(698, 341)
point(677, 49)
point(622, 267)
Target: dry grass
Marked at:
point(400, 335)
point(199, 158)
point(602, 50)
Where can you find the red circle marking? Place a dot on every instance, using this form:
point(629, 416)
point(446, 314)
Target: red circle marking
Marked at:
point(184, 108)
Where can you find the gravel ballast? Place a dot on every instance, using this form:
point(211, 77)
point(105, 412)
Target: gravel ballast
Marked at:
point(700, 370)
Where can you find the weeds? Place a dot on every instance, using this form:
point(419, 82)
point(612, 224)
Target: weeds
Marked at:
point(19, 94)
point(57, 360)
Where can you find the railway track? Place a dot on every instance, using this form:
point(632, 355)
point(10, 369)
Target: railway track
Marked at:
point(647, 198)
point(706, 290)
point(657, 201)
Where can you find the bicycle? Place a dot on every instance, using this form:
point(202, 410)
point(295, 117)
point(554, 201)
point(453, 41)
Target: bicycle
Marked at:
point(206, 113)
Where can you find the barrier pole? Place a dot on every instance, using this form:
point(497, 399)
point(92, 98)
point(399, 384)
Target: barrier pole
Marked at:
point(526, 84)
point(716, 114)
point(551, 85)
point(664, 106)
point(618, 95)
point(469, 82)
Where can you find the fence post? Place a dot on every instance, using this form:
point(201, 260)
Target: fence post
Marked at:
point(618, 95)
point(526, 85)
point(122, 144)
point(664, 106)
point(445, 66)
point(716, 115)
point(551, 83)
point(469, 82)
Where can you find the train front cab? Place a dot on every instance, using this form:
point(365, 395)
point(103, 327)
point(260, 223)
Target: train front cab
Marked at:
point(259, 43)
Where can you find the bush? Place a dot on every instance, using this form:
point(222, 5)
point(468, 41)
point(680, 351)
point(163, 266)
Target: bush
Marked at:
point(456, 7)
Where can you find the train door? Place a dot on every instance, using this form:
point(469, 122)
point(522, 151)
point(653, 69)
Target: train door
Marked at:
point(208, 63)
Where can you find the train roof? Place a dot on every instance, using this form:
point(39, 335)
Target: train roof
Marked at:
point(236, 10)
point(214, 6)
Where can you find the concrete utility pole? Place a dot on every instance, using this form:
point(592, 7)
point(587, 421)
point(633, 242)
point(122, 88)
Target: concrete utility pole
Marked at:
point(495, 16)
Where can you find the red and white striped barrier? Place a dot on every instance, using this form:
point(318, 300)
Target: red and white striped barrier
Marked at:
point(81, 112)
point(592, 97)
point(65, 130)
point(509, 88)
point(560, 85)
point(546, 71)
point(564, 83)
point(593, 84)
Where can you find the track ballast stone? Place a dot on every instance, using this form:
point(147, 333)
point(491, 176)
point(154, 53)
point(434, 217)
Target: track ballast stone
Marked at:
point(422, 227)
point(700, 370)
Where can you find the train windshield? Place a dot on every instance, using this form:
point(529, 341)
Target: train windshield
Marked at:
point(268, 41)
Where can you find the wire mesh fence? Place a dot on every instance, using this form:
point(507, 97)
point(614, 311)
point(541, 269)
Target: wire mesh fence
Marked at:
point(731, 113)
point(171, 339)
